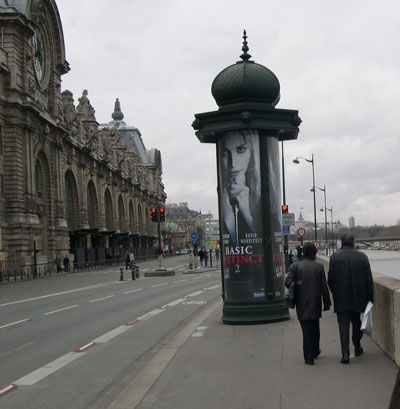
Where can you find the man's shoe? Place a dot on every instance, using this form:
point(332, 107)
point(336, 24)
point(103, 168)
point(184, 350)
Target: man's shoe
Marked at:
point(358, 351)
point(317, 354)
point(345, 359)
point(309, 362)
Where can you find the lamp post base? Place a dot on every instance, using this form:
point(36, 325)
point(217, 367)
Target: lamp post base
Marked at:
point(255, 313)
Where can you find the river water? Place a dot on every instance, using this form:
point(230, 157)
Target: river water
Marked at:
point(384, 262)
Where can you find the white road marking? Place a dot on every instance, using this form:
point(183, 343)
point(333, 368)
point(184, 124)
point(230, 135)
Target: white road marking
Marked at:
point(14, 323)
point(91, 287)
point(111, 334)
point(133, 291)
point(194, 294)
point(48, 369)
point(179, 281)
point(176, 302)
point(158, 285)
point(149, 315)
point(61, 309)
point(104, 298)
point(213, 287)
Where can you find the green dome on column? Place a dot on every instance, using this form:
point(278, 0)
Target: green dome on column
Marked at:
point(246, 81)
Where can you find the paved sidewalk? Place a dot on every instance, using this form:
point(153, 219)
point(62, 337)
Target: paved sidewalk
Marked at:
point(261, 367)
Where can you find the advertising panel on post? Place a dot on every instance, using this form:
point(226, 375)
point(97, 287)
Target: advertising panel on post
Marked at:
point(244, 264)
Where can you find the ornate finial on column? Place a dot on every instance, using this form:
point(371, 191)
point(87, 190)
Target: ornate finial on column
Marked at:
point(117, 115)
point(245, 56)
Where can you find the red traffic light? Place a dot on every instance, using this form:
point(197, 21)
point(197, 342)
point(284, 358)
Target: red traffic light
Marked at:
point(154, 216)
point(285, 208)
point(162, 214)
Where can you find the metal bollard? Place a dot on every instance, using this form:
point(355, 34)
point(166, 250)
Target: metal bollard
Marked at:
point(121, 274)
point(137, 272)
point(132, 273)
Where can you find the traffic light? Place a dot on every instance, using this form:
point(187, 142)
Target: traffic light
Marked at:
point(285, 208)
point(162, 214)
point(154, 214)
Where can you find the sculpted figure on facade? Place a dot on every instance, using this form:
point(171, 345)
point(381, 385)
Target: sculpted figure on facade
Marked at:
point(84, 108)
point(91, 136)
point(70, 116)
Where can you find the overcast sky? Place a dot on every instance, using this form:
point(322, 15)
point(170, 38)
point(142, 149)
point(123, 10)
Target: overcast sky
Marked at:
point(337, 63)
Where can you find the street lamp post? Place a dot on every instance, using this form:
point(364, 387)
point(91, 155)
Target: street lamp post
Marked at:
point(313, 190)
point(326, 222)
point(331, 210)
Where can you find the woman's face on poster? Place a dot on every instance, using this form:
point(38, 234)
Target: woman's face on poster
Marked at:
point(235, 158)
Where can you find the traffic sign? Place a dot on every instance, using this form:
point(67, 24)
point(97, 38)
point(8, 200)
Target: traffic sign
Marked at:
point(286, 229)
point(317, 244)
point(288, 219)
point(301, 232)
point(194, 235)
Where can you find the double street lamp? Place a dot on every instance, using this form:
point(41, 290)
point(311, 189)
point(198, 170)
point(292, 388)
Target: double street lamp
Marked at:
point(313, 190)
point(326, 222)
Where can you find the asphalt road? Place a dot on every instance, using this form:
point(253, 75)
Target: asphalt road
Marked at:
point(75, 341)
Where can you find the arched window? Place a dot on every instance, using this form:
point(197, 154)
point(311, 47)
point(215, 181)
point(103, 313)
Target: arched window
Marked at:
point(141, 231)
point(121, 214)
point(108, 208)
point(71, 201)
point(39, 179)
point(131, 217)
point(92, 205)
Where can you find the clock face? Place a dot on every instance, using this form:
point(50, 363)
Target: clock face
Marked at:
point(38, 55)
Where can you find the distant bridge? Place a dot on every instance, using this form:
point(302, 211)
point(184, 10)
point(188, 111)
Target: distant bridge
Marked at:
point(390, 241)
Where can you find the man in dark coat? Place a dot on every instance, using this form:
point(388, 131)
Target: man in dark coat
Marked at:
point(351, 283)
point(310, 291)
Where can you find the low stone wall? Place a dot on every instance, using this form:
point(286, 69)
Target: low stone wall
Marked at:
point(385, 313)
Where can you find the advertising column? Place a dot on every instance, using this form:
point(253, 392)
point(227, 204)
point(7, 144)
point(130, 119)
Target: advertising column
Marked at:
point(251, 246)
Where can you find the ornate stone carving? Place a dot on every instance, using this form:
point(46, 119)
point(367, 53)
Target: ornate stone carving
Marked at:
point(84, 108)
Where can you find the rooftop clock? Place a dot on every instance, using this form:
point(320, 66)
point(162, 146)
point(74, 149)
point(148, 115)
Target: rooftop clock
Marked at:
point(38, 55)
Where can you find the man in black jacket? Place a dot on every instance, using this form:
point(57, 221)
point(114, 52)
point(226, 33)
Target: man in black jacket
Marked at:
point(350, 280)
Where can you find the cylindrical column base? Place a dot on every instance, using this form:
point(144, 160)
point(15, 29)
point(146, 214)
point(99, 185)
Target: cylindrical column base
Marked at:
point(255, 313)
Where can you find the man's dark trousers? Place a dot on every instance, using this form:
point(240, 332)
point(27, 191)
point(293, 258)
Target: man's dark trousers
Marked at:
point(344, 319)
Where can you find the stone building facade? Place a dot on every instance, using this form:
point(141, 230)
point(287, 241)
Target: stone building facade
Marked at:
point(67, 184)
point(188, 221)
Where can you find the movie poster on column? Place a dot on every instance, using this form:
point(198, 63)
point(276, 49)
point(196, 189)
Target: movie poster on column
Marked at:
point(275, 216)
point(241, 217)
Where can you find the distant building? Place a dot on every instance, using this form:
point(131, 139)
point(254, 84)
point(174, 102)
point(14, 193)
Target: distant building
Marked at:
point(352, 222)
point(211, 227)
point(188, 220)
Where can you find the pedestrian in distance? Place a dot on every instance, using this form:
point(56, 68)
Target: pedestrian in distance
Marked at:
point(311, 291)
point(132, 260)
point(58, 262)
point(66, 263)
point(206, 256)
point(127, 260)
point(350, 281)
point(299, 249)
point(217, 251)
point(201, 256)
